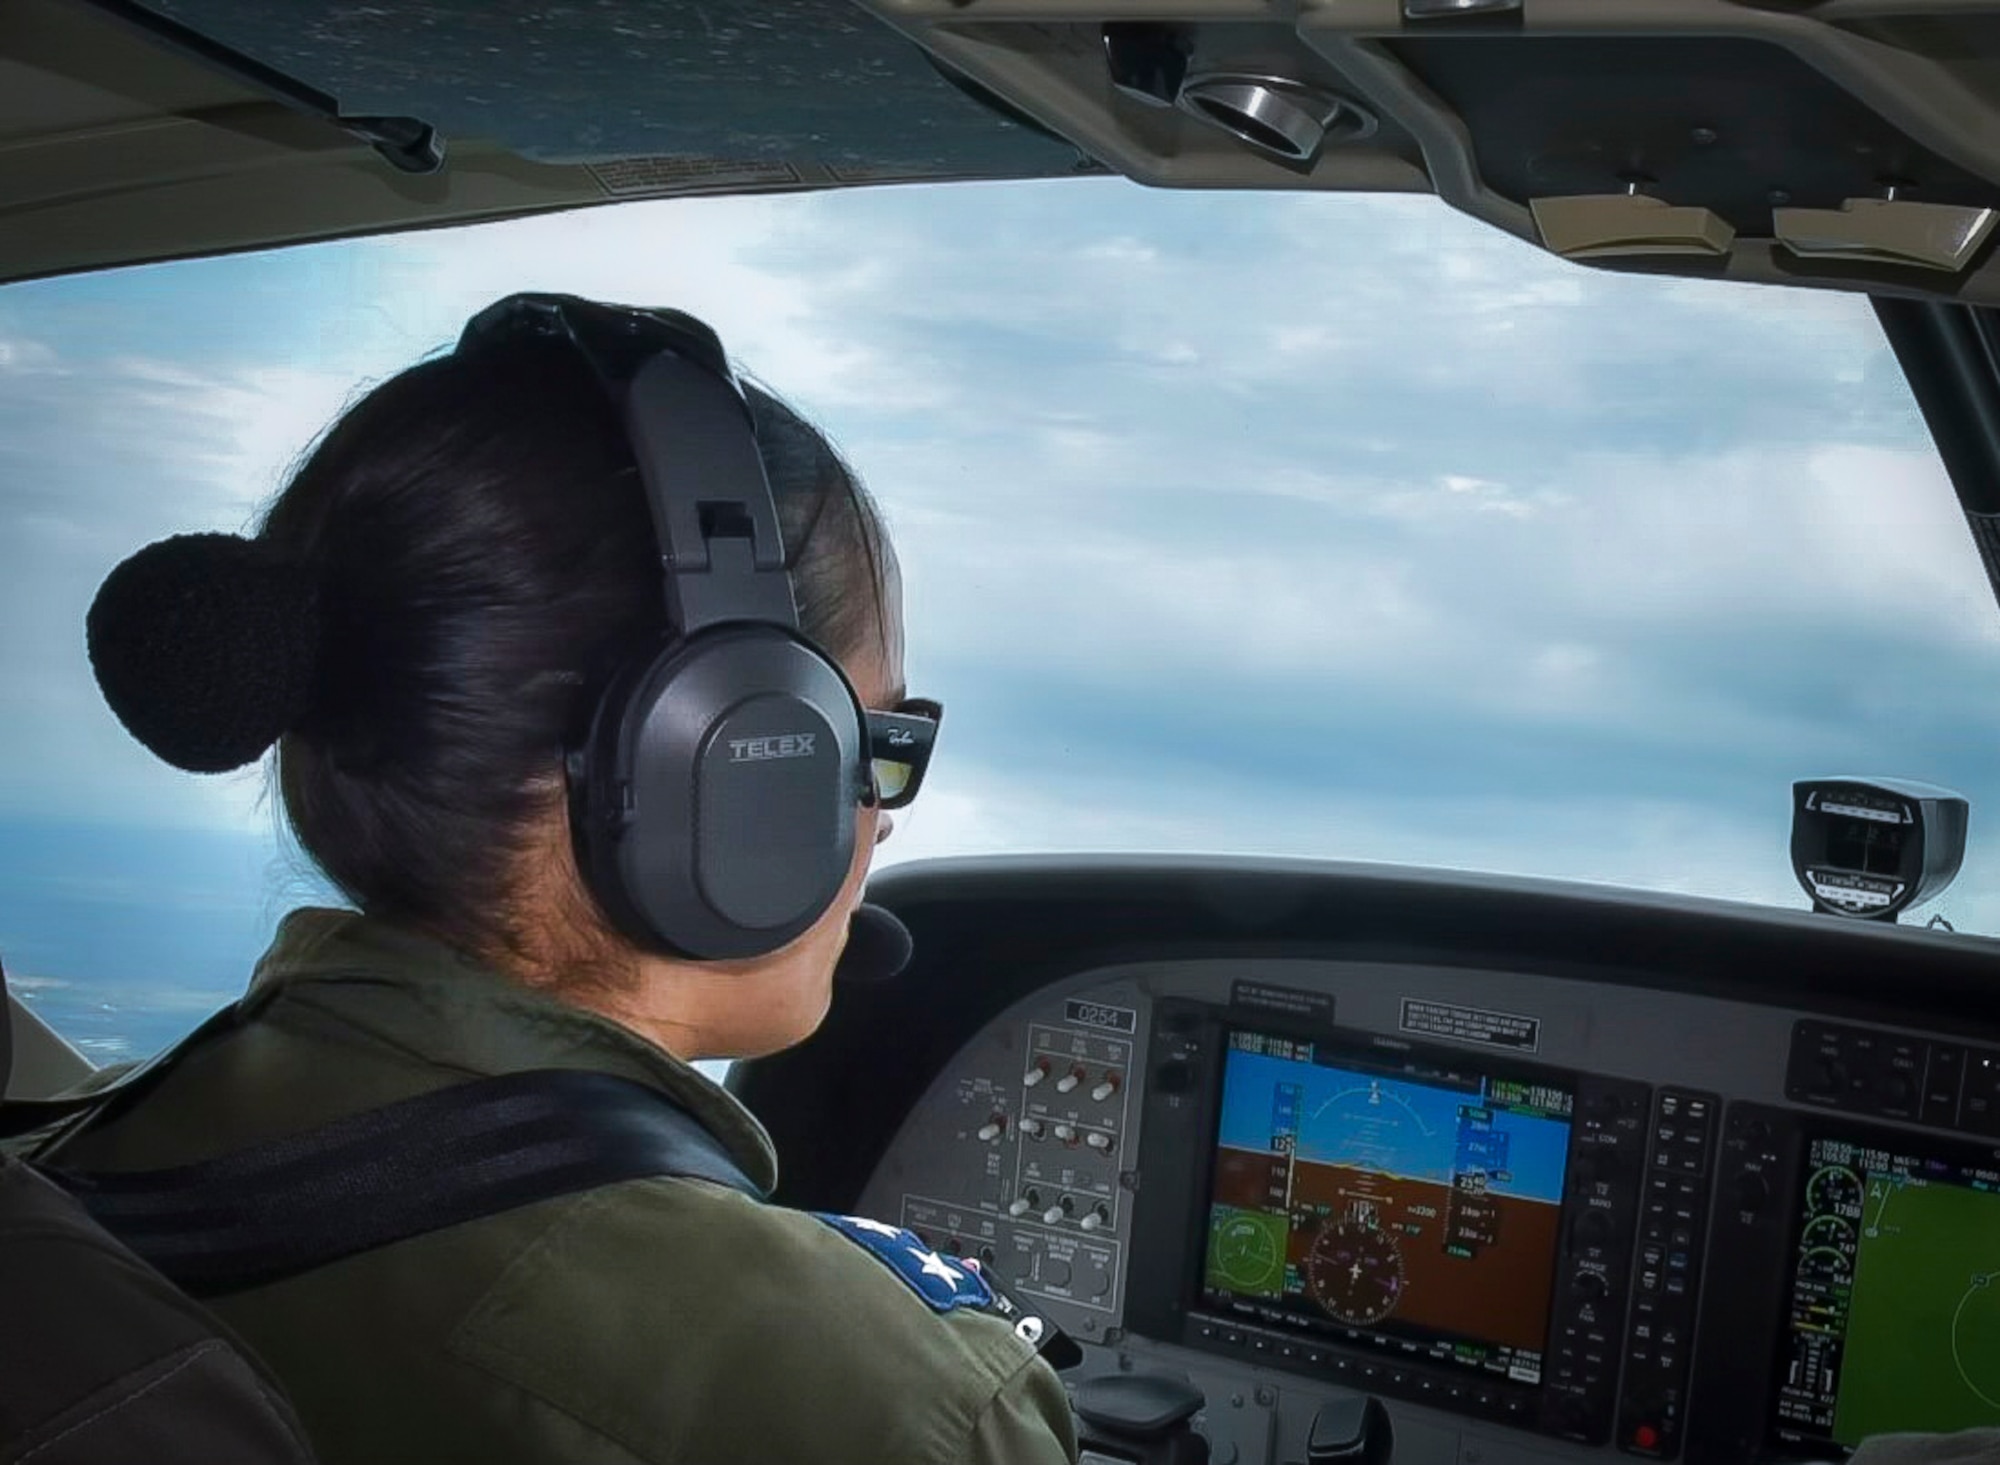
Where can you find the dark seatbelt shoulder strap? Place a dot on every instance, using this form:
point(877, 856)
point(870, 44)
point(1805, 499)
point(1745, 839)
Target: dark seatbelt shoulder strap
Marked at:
point(440, 1159)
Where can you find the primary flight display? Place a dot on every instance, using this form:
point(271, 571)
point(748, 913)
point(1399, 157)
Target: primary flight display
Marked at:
point(1412, 1206)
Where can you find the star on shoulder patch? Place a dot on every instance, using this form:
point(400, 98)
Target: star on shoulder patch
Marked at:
point(943, 1282)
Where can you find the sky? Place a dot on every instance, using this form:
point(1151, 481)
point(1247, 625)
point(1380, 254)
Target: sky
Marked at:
point(1339, 527)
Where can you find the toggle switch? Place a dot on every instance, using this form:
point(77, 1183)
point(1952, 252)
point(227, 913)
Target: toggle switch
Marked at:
point(993, 1128)
point(1036, 1074)
point(1098, 1140)
point(1106, 1087)
point(1069, 1081)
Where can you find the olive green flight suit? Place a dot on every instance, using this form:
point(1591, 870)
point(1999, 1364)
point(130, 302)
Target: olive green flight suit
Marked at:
point(660, 1320)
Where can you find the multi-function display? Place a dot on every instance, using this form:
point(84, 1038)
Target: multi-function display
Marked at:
point(1388, 1201)
point(1893, 1319)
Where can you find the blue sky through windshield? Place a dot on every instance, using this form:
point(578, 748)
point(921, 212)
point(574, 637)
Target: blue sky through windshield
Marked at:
point(1338, 527)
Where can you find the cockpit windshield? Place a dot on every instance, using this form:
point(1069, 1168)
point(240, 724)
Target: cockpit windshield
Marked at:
point(1339, 527)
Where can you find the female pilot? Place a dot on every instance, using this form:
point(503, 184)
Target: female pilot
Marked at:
point(426, 625)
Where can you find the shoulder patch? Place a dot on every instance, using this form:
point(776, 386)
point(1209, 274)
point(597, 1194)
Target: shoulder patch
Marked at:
point(943, 1282)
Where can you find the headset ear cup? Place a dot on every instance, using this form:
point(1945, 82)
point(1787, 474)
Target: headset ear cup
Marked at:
point(597, 808)
point(714, 811)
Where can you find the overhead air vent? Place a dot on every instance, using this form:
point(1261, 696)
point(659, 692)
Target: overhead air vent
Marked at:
point(1287, 119)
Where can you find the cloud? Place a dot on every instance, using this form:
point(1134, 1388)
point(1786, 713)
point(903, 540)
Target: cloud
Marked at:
point(20, 358)
point(1634, 842)
point(743, 264)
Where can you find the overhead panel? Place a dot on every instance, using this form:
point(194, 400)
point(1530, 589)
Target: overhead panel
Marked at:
point(1737, 125)
point(1846, 143)
point(1852, 144)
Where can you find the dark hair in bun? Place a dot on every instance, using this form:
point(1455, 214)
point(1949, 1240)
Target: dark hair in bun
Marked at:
point(207, 648)
point(455, 567)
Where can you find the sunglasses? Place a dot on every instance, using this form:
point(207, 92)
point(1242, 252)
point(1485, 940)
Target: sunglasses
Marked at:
point(899, 749)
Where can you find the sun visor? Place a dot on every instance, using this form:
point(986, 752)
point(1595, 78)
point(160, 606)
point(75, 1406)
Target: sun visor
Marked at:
point(1609, 225)
point(1927, 236)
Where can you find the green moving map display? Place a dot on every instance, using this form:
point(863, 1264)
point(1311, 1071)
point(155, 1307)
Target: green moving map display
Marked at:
point(1895, 1308)
point(1923, 1331)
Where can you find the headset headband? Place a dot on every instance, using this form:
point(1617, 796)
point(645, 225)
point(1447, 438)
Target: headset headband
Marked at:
point(685, 415)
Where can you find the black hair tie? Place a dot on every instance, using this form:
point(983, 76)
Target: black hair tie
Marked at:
point(206, 646)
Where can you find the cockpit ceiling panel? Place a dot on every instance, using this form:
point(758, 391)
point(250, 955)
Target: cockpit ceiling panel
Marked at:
point(1734, 124)
point(115, 149)
point(746, 80)
point(121, 146)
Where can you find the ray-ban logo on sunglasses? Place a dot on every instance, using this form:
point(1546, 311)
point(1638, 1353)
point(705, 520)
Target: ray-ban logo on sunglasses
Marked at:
point(786, 745)
point(901, 737)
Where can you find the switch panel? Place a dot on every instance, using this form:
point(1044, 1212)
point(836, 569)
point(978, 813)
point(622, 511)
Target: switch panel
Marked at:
point(1029, 1142)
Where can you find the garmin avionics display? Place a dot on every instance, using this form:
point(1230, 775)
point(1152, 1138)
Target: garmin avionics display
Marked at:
point(1375, 1198)
point(1893, 1317)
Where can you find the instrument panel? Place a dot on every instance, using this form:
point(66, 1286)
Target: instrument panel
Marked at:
point(1541, 1217)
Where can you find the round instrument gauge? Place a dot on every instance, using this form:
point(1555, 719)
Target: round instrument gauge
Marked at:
point(1833, 1189)
point(1824, 1265)
point(1245, 1254)
point(1355, 1272)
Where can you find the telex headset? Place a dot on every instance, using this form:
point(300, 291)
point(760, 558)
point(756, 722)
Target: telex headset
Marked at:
point(713, 797)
